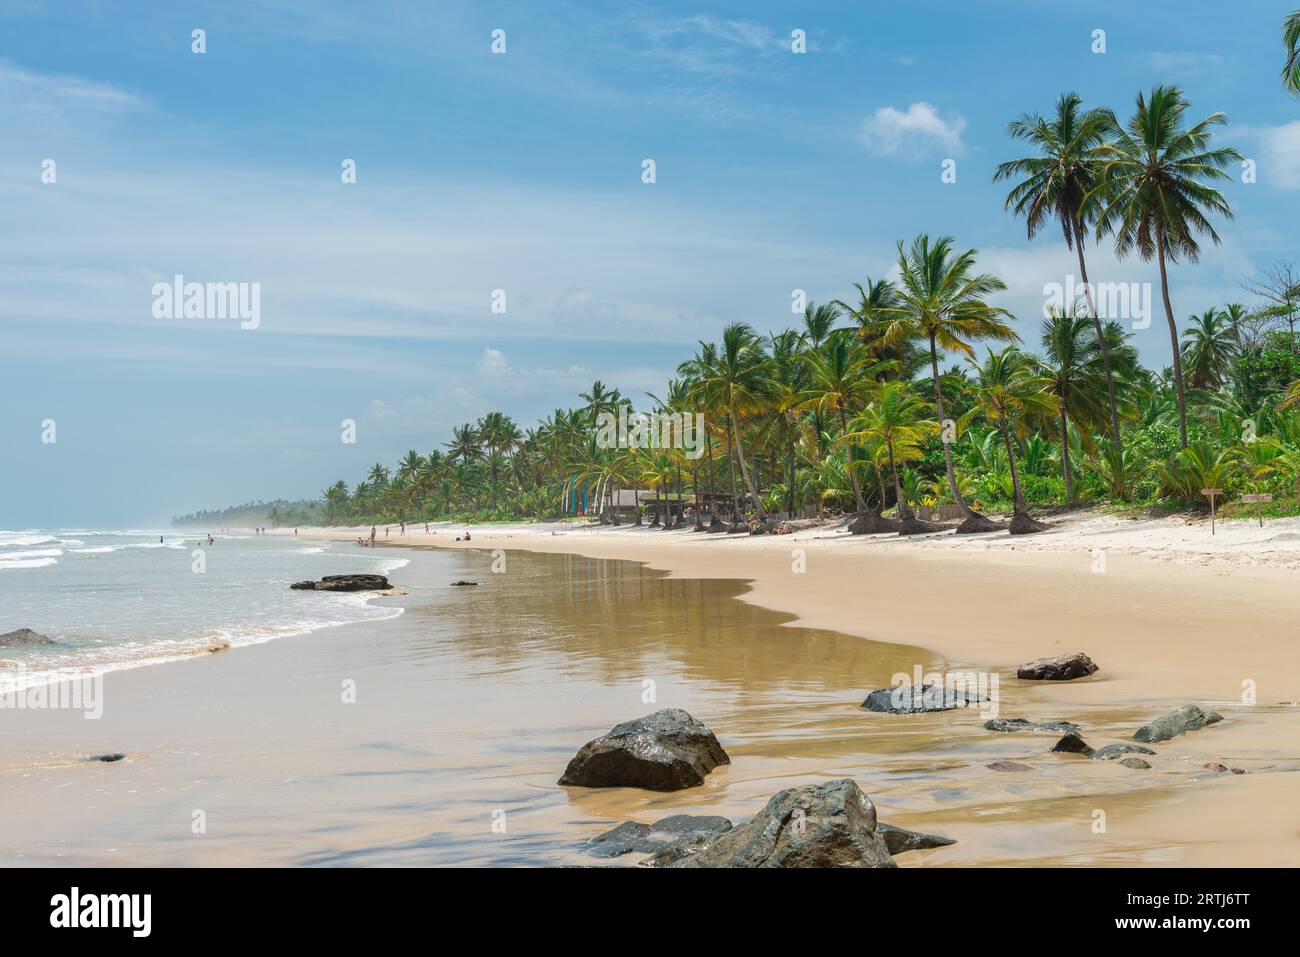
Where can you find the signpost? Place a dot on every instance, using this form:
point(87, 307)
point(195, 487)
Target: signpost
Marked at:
point(1210, 493)
point(1259, 500)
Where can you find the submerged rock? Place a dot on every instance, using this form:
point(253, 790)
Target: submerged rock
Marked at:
point(826, 825)
point(899, 840)
point(632, 837)
point(665, 751)
point(345, 583)
point(1179, 721)
point(1058, 668)
point(23, 637)
point(461, 584)
point(1008, 766)
point(909, 699)
point(106, 758)
point(1136, 764)
point(1072, 744)
point(1112, 751)
point(1020, 724)
point(1221, 768)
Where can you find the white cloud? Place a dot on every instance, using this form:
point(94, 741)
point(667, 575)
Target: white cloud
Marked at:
point(913, 133)
point(25, 90)
point(1276, 150)
point(1184, 62)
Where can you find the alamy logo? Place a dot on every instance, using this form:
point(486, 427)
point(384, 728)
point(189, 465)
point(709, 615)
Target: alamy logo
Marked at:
point(103, 910)
point(76, 694)
point(651, 430)
point(1126, 301)
point(179, 299)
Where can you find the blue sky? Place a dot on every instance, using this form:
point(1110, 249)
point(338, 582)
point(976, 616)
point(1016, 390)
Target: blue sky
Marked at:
point(520, 172)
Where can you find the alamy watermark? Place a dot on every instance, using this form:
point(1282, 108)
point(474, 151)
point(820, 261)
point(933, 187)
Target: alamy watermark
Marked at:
point(1124, 301)
point(941, 692)
point(75, 694)
point(651, 430)
point(179, 299)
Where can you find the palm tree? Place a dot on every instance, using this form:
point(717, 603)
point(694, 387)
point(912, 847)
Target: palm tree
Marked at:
point(1155, 194)
point(465, 445)
point(1077, 377)
point(841, 379)
point(741, 378)
point(896, 420)
point(1291, 40)
point(1056, 184)
point(940, 301)
point(1008, 392)
point(1209, 345)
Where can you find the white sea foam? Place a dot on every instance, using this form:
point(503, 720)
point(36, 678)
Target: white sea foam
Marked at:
point(28, 563)
point(97, 550)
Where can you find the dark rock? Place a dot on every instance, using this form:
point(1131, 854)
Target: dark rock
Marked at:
point(908, 699)
point(1020, 724)
point(1058, 668)
point(1221, 768)
point(666, 751)
point(826, 825)
point(23, 637)
point(106, 758)
point(463, 583)
point(1137, 764)
point(631, 837)
point(345, 583)
point(1112, 751)
point(1008, 766)
point(1179, 721)
point(1072, 744)
point(899, 840)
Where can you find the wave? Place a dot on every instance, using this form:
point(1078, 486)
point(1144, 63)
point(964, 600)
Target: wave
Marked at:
point(98, 550)
point(155, 545)
point(28, 563)
point(32, 553)
point(25, 538)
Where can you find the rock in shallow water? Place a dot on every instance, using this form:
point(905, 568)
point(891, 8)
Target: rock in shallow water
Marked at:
point(1179, 721)
point(1058, 668)
point(1112, 751)
point(912, 699)
point(827, 825)
point(666, 751)
point(345, 583)
point(23, 637)
point(1136, 764)
point(1072, 744)
point(1020, 724)
point(899, 840)
point(632, 837)
point(1008, 766)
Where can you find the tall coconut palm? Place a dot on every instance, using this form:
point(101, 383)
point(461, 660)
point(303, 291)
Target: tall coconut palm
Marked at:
point(1209, 345)
point(1155, 194)
point(465, 445)
point(741, 378)
point(896, 418)
point(940, 300)
point(1291, 40)
point(1055, 185)
point(1009, 393)
point(1077, 377)
point(841, 380)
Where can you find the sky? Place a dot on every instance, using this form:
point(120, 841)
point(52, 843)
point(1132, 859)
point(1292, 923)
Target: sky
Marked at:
point(517, 177)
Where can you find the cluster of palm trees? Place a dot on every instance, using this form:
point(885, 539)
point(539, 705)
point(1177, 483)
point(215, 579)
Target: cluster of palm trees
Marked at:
point(853, 412)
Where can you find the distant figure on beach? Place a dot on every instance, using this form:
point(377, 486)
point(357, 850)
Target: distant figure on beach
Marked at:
point(426, 526)
point(372, 534)
point(160, 541)
point(295, 531)
point(209, 538)
point(467, 536)
point(403, 528)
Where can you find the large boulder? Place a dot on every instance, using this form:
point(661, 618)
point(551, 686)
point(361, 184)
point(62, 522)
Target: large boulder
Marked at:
point(913, 699)
point(1072, 743)
point(1058, 668)
point(22, 638)
point(345, 583)
point(826, 825)
point(1020, 724)
point(1179, 721)
point(666, 751)
point(686, 832)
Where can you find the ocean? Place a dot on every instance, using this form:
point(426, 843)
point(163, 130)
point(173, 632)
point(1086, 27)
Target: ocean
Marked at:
point(125, 598)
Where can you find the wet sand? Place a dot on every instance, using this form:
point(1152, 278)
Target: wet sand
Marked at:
point(471, 703)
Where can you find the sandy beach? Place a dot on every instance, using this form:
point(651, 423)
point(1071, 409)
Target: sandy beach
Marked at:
point(472, 701)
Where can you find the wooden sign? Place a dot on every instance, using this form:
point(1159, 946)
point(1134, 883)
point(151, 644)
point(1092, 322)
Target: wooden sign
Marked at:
point(1259, 500)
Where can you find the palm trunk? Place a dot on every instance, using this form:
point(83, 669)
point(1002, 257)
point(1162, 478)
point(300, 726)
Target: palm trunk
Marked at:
point(714, 521)
point(1021, 507)
point(636, 501)
point(1101, 338)
point(744, 468)
point(904, 510)
point(1065, 456)
point(848, 458)
point(731, 464)
point(1173, 338)
point(974, 521)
